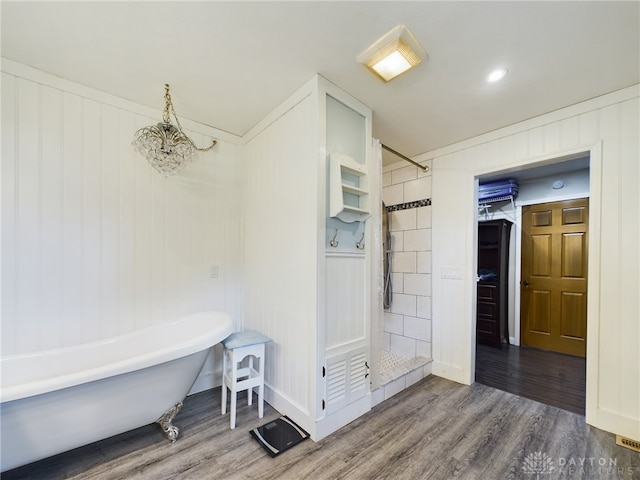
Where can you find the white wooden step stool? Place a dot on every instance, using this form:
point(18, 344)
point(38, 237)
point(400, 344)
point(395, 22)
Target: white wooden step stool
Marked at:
point(236, 378)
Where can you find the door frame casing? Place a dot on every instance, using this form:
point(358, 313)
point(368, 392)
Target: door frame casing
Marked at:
point(593, 259)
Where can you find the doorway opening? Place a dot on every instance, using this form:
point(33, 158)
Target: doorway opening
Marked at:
point(550, 377)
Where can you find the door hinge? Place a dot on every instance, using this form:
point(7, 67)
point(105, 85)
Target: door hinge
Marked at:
point(324, 372)
point(323, 404)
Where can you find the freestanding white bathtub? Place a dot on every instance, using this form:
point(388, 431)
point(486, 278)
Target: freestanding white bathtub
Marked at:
point(56, 400)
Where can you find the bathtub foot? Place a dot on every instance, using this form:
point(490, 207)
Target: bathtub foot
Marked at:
point(170, 431)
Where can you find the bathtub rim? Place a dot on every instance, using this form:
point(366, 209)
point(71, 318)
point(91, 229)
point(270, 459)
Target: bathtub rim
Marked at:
point(224, 326)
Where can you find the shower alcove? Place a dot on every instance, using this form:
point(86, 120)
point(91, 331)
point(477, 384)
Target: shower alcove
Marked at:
point(355, 207)
point(403, 358)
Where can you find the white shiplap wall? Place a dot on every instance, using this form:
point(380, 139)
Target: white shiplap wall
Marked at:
point(94, 242)
point(281, 245)
point(607, 127)
point(345, 310)
point(314, 306)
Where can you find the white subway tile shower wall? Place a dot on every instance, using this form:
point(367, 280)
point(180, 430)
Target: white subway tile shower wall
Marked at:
point(408, 321)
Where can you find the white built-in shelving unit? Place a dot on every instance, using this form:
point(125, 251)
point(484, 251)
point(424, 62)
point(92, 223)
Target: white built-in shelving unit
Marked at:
point(348, 189)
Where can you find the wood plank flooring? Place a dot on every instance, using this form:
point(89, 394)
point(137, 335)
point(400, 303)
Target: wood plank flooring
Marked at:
point(547, 377)
point(436, 429)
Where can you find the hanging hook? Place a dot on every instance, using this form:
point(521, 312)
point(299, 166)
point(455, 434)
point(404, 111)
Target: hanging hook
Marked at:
point(334, 242)
point(360, 244)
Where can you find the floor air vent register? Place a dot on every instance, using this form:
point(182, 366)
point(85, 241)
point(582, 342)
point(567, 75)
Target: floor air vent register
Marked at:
point(627, 442)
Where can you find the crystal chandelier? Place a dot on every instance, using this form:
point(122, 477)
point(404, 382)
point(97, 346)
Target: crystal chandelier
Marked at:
point(166, 146)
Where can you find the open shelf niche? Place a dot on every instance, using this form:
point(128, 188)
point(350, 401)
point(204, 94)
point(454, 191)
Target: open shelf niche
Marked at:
point(348, 189)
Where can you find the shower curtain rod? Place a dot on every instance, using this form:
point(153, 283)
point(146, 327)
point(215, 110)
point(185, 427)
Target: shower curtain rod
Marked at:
point(388, 149)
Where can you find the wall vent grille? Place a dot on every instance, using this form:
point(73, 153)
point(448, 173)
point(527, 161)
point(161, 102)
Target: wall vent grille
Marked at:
point(627, 442)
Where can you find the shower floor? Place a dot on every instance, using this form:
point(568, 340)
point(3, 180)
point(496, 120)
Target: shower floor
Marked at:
point(390, 360)
point(397, 373)
point(393, 366)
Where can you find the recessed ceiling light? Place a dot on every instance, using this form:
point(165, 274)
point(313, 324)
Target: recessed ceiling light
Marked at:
point(496, 75)
point(395, 53)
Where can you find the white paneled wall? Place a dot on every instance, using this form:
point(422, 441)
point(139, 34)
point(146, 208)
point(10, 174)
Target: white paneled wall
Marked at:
point(94, 242)
point(280, 256)
point(345, 316)
point(408, 320)
point(311, 302)
point(608, 129)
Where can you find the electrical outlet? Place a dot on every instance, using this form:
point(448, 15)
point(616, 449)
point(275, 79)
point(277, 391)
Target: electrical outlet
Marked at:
point(451, 273)
point(214, 271)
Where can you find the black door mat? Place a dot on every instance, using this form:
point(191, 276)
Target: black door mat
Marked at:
point(279, 435)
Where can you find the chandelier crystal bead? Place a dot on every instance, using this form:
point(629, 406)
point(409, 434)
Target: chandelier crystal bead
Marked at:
point(165, 146)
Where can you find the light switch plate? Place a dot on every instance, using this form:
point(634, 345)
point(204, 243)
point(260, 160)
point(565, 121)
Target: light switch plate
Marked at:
point(451, 273)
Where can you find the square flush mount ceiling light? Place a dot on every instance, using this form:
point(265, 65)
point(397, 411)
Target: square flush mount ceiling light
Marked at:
point(395, 53)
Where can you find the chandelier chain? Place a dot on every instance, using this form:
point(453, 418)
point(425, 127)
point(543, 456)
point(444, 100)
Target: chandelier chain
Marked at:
point(165, 116)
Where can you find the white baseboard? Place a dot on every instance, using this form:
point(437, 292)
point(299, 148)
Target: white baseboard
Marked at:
point(342, 417)
point(283, 405)
point(451, 372)
point(320, 427)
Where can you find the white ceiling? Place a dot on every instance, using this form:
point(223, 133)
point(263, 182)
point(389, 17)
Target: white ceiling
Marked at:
point(230, 63)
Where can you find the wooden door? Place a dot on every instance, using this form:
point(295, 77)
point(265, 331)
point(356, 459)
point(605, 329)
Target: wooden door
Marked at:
point(554, 276)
